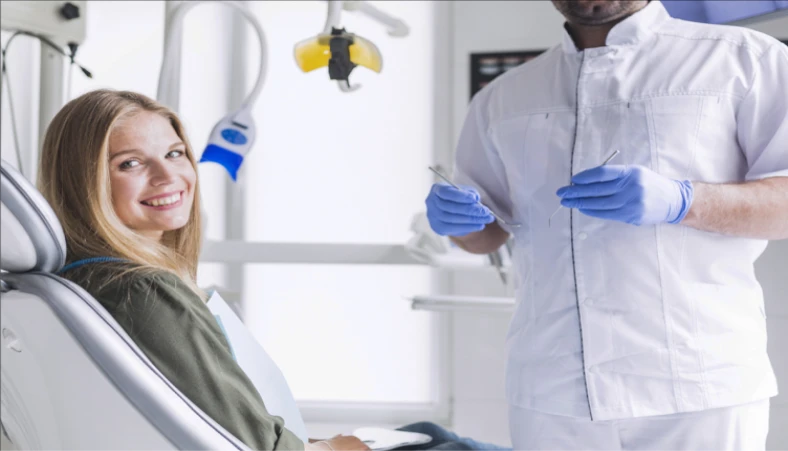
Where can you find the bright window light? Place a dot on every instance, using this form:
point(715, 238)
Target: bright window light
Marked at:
point(330, 167)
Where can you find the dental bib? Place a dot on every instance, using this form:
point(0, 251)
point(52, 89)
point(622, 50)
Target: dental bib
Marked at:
point(259, 367)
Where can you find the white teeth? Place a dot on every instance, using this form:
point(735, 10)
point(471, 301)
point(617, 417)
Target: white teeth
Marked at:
point(164, 200)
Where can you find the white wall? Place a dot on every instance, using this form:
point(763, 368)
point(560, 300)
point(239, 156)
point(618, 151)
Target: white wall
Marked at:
point(323, 164)
point(479, 403)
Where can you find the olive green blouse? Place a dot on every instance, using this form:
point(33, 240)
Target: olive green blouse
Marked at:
point(180, 335)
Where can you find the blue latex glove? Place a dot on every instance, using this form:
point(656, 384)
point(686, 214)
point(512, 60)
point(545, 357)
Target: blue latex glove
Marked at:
point(456, 212)
point(632, 194)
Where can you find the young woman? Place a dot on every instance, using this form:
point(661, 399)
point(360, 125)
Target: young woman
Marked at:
point(119, 172)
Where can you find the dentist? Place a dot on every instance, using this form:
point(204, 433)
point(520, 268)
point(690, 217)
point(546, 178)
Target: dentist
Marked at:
point(639, 320)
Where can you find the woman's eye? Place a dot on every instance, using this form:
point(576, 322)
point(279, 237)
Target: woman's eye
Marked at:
point(175, 153)
point(129, 164)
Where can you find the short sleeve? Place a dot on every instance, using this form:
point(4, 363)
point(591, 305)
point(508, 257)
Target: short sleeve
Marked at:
point(762, 119)
point(477, 163)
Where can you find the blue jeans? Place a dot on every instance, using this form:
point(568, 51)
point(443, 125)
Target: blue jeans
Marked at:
point(443, 439)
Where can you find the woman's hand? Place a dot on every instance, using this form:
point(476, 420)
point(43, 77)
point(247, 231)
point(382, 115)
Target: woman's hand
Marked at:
point(338, 443)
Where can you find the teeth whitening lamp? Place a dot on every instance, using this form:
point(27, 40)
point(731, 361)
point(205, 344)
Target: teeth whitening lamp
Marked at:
point(230, 140)
point(233, 136)
point(341, 51)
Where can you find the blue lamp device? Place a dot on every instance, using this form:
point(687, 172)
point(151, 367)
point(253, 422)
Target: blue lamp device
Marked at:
point(230, 140)
point(233, 136)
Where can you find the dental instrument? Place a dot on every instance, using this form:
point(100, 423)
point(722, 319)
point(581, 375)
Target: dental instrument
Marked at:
point(495, 215)
point(607, 160)
point(496, 260)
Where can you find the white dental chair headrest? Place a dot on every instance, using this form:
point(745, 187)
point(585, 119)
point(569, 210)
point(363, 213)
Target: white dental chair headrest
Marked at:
point(31, 237)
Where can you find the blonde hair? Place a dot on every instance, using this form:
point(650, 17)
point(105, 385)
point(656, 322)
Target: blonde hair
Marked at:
point(74, 178)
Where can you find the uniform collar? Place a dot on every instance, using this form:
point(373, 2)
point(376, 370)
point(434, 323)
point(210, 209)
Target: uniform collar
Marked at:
point(629, 31)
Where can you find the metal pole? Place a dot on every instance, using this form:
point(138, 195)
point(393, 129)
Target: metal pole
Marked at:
point(235, 202)
point(2, 80)
point(52, 98)
point(442, 153)
point(173, 98)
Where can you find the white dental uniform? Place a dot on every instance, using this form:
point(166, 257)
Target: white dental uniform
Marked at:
point(615, 321)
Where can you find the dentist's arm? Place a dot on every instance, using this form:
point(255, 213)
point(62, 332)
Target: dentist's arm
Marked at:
point(757, 209)
point(483, 242)
point(478, 164)
point(457, 213)
point(639, 196)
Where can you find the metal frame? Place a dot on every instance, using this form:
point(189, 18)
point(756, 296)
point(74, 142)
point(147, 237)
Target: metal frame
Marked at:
point(453, 303)
point(51, 100)
point(170, 6)
point(443, 155)
point(235, 193)
point(42, 18)
point(238, 251)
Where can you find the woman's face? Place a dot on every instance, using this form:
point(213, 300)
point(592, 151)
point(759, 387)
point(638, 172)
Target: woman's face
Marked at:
point(152, 178)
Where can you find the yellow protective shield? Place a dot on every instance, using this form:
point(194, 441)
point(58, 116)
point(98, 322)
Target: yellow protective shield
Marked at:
point(366, 54)
point(314, 53)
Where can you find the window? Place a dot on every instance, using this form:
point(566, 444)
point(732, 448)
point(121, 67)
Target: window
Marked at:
point(344, 332)
point(327, 167)
point(330, 167)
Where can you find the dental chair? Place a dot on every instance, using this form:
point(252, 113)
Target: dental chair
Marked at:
point(71, 377)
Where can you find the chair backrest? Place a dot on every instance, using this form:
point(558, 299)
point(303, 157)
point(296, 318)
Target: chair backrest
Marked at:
point(71, 377)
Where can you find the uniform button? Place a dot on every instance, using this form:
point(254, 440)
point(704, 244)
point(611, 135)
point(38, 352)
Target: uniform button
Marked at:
point(582, 235)
point(588, 301)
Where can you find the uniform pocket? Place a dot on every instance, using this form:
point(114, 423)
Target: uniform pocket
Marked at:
point(693, 137)
point(535, 150)
point(731, 338)
point(726, 313)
